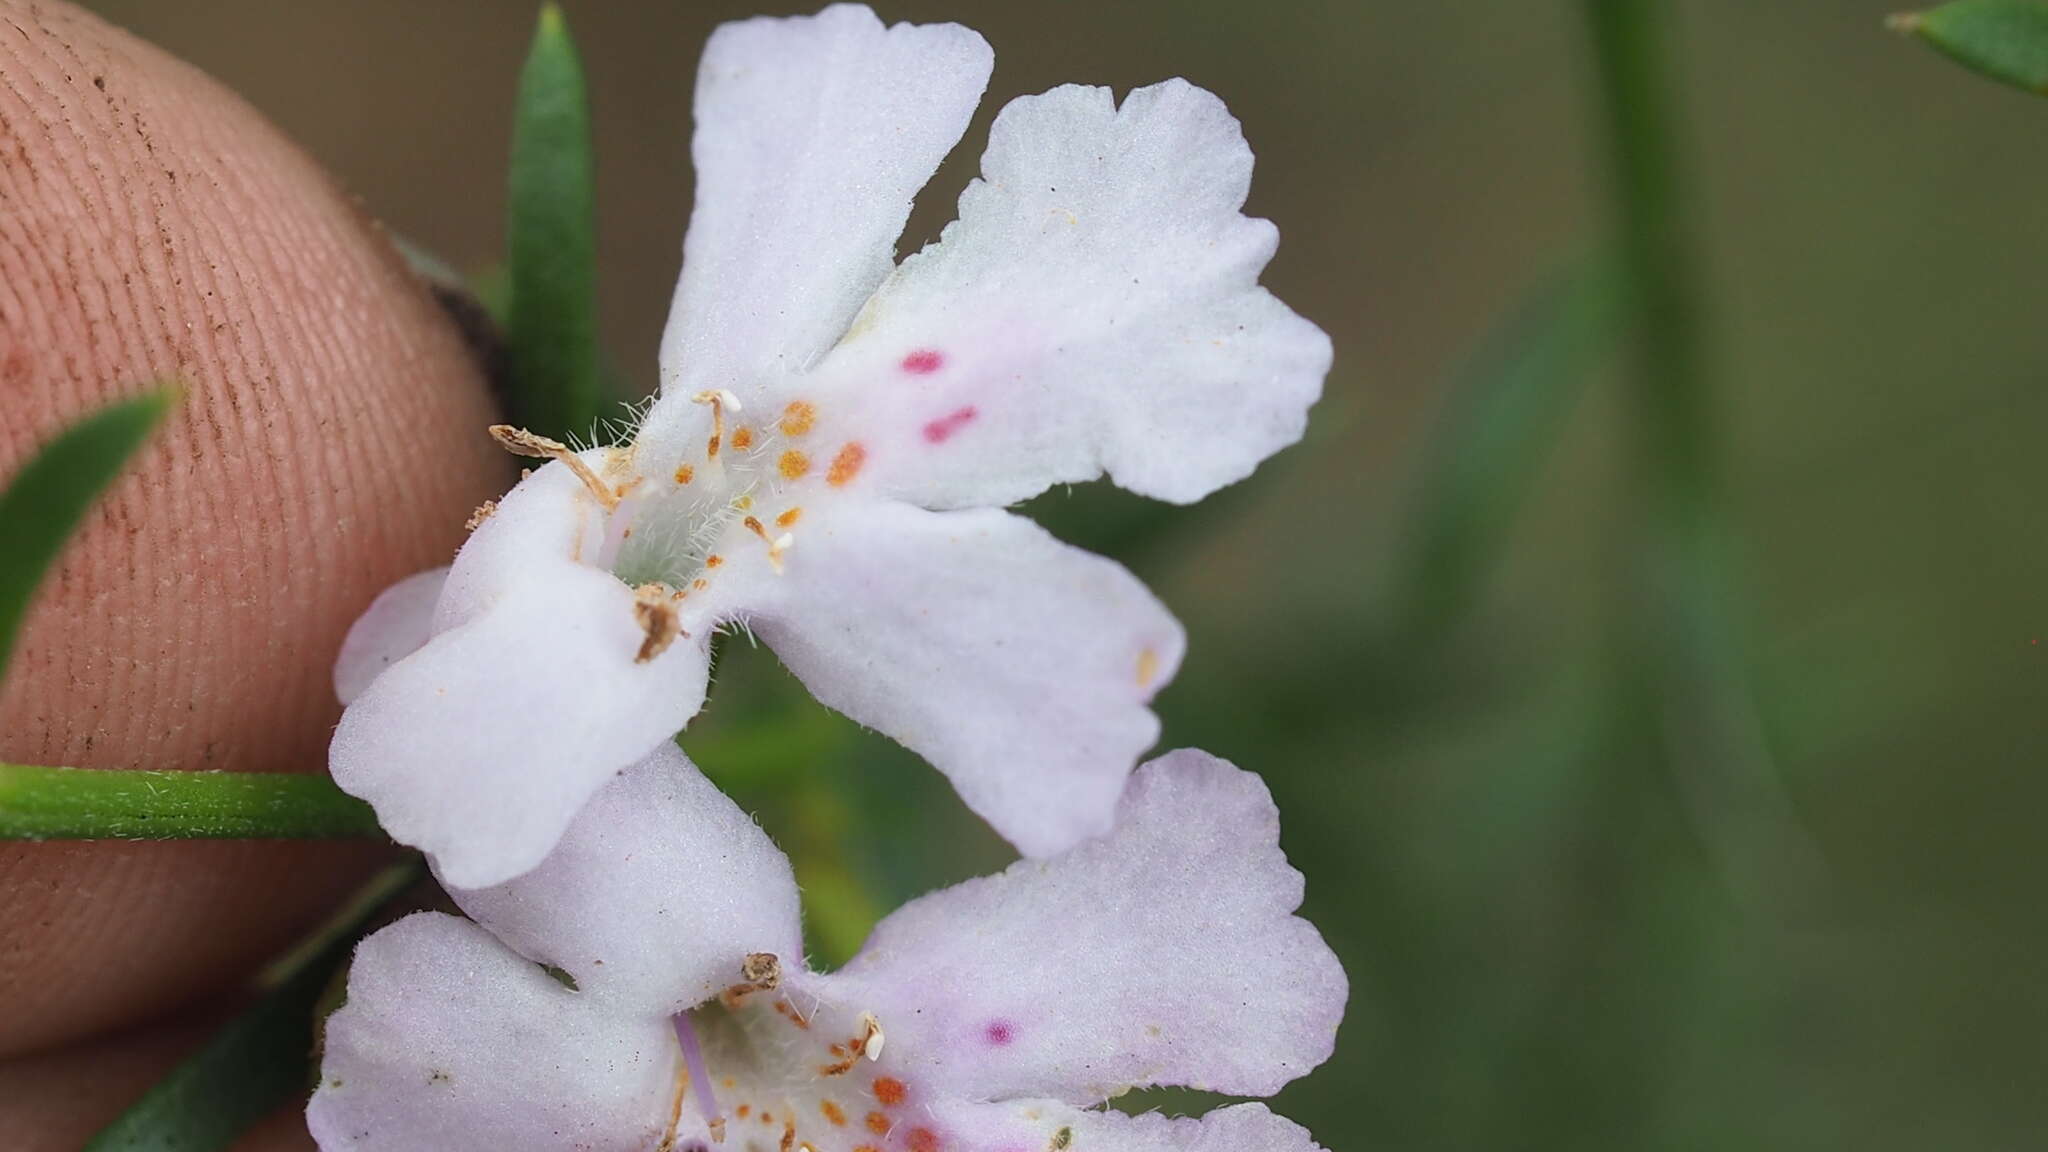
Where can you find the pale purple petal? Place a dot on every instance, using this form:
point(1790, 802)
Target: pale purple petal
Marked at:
point(1163, 953)
point(450, 1042)
point(1043, 1125)
point(393, 627)
point(813, 135)
point(1095, 308)
point(1017, 665)
point(480, 747)
point(654, 896)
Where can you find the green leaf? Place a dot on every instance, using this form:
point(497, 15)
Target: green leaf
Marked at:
point(262, 1058)
point(48, 498)
point(2006, 40)
point(39, 803)
point(551, 308)
point(1505, 412)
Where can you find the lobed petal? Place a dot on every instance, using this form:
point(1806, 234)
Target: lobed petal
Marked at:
point(1163, 953)
point(655, 895)
point(1094, 308)
point(813, 135)
point(1019, 666)
point(450, 1042)
point(395, 625)
point(1042, 1125)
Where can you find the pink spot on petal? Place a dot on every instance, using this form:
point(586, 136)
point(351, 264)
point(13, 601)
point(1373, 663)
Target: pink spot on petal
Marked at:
point(999, 1033)
point(924, 362)
point(941, 430)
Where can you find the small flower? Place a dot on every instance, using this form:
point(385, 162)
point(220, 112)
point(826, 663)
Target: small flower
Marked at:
point(987, 1017)
point(833, 444)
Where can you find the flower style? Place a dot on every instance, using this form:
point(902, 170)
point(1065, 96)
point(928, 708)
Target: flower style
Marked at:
point(982, 1018)
point(833, 444)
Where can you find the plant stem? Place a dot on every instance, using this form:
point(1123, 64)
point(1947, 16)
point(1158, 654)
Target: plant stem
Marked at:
point(43, 803)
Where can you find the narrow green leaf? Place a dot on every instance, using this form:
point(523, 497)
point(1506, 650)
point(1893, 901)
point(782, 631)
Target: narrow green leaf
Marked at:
point(48, 498)
point(551, 307)
point(2006, 40)
point(262, 1058)
point(40, 803)
point(1505, 411)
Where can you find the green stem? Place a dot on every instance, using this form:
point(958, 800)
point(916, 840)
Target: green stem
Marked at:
point(41, 803)
point(1656, 255)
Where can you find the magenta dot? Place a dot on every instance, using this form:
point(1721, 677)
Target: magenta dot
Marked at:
point(940, 430)
point(923, 362)
point(999, 1032)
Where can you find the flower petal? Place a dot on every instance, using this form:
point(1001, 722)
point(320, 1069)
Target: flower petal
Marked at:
point(1017, 665)
point(1039, 1125)
point(450, 1041)
point(1163, 953)
point(655, 895)
point(813, 134)
point(393, 627)
point(1095, 308)
point(480, 747)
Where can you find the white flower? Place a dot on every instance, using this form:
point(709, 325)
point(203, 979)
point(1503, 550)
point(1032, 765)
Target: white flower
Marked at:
point(833, 444)
point(987, 1017)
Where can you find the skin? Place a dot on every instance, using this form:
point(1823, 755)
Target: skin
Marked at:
point(152, 226)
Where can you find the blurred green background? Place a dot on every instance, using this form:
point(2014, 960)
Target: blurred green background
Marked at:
point(1558, 935)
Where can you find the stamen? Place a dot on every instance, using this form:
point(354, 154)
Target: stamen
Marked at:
point(871, 1046)
point(656, 613)
point(520, 442)
point(483, 512)
point(720, 400)
point(761, 972)
point(777, 545)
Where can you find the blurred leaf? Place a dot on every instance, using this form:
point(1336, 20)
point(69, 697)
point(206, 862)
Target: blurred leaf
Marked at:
point(2006, 40)
point(262, 1058)
point(48, 498)
point(1504, 414)
point(41, 803)
point(551, 310)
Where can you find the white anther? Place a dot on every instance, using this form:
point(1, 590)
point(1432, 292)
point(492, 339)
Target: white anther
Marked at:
point(718, 396)
point(872, 1047)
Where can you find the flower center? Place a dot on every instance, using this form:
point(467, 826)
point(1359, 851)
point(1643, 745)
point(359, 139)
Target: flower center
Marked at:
point(767, 1069)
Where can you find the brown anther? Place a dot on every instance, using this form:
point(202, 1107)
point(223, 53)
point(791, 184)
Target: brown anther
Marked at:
point(717, 1130)
point(1060, 1140)
point(657, 616)
point(788, 1135)
point(762, 969)
point(482, 513)
point(760, 972)
point(520, 442)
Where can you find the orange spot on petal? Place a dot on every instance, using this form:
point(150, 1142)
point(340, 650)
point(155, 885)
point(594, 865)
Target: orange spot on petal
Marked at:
point(714, 560)
point(924, 1140)
point(889, 1090)
point(685, 474)
point(834, 1114)
point(743, 1111)
point(742, 438)
point(793, 464)
point(878, 1123)
point(846, 465)
point(788, 518)
point(1148, 668)
point(798, 418)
